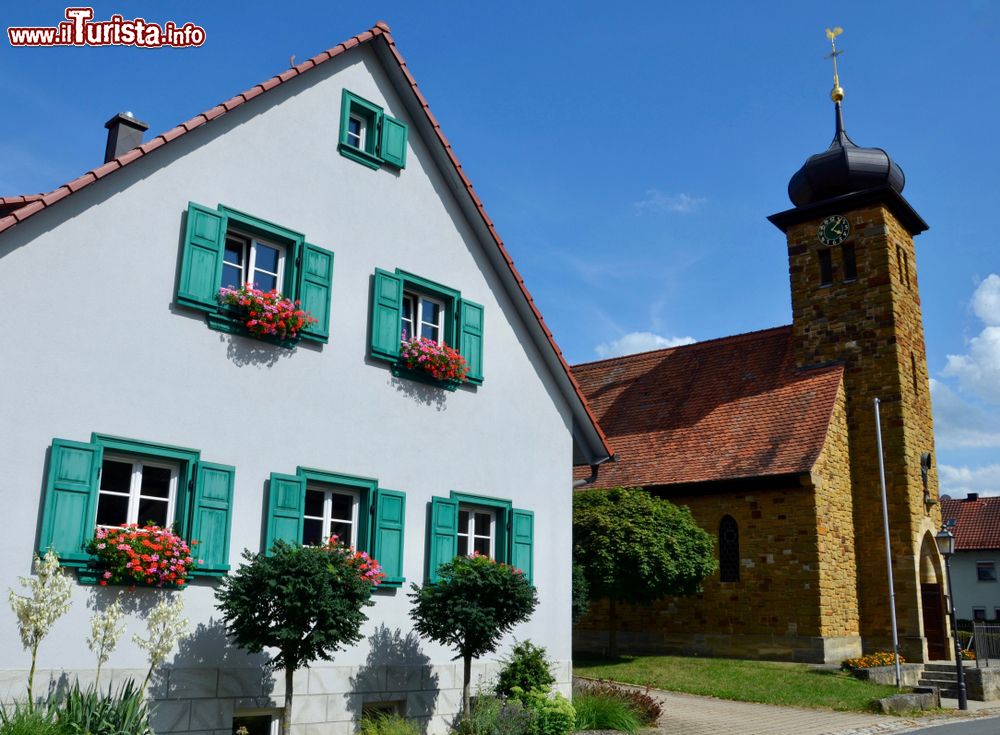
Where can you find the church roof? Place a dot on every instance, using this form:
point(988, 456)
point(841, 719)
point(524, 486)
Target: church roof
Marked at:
point(976, 521)
point(723, 409)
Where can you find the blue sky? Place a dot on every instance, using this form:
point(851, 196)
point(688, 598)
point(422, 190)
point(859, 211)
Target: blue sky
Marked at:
point(628, 152)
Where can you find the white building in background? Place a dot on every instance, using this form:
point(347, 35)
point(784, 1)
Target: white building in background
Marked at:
point(975, 566)
point(130, 394)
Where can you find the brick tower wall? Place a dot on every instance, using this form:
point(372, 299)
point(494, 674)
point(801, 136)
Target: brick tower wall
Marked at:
point(874, 325)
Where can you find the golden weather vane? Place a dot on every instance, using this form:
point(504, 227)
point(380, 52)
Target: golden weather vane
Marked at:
point(837, 93)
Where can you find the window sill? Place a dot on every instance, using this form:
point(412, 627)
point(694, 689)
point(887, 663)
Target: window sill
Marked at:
point(363, 157)
point(91, 576)
point(232, 323)
point(391, 583)
point(419, 376)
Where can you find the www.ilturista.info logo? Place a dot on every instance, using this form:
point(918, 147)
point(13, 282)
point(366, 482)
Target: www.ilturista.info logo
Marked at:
point(80, 29)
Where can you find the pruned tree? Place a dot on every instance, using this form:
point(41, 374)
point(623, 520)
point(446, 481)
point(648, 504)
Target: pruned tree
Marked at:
point(305, 601)
point(636, 548)
point(475, 601)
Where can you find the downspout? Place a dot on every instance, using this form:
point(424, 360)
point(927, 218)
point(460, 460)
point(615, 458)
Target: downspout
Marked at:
point(593, 471)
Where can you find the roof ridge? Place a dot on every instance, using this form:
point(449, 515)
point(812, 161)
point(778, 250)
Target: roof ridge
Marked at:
point(733, 337)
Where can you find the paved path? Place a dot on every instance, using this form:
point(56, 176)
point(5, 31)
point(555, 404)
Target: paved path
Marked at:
point(685, 714)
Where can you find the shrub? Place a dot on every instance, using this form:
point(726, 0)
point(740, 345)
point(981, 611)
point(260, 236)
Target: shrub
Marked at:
point(89, 712)
point(646, 708)
point(552, 714)
point(387, 723)
point(871, 660)
point(494, 716)
point(596, 711)
point(581, 594)
point(527, 667)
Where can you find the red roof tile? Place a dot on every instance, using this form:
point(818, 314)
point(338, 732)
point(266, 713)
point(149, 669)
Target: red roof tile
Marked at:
point(380, 30)
point(723, 409)
point(977, 522)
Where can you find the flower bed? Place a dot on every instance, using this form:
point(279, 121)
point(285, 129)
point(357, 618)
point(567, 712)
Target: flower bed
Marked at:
point(267, 313)
point(148, 555)
point(439, 361)
point(871, 660)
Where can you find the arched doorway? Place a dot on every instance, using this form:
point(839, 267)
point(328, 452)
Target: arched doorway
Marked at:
point(932, 600)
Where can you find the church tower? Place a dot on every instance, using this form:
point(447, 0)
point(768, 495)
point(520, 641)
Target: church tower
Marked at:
point(855, 301)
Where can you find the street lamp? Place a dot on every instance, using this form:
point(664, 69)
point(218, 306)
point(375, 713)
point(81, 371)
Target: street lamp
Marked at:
point(946, 545)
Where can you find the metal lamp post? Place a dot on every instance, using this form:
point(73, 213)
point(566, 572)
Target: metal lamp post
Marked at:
point(946, 545)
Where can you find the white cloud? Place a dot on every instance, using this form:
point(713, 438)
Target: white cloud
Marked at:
point(978, 371)
point(634, 342)
point(957, 481)
point(659, 201)
point(958, 423)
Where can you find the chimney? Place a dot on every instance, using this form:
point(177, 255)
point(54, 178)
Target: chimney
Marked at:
point(971, 496)
point(124, 134)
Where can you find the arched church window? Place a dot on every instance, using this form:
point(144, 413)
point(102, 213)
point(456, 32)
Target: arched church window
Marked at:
point(729, 550)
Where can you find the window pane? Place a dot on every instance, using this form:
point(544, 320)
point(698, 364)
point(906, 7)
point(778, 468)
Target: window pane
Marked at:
point(314, 503)
point(234, 252)
point(156, 481)
point(342, 507)
point(483, 524)
point(152, 510)
point(408, 318)
point(482, 545)
point(429, 311)
point(232, 277)
point(428, 331)
point(266, 258)
point(463, 521)
point(265, 281)
point(116, 476)
point(463, 545)
point(343, 531)
point(112, 510)
point(312, 532)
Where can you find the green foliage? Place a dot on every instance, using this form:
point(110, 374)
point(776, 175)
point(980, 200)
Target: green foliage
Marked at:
point(89, 712)
point(527, 667)
point(494, 716)
point(645, 707)
point(472, 605)
point(552, 714)
point(305, 601)
point(581, 593)
point(637, 548)
point(596, 711)
point(23, 720)
point(386, 723)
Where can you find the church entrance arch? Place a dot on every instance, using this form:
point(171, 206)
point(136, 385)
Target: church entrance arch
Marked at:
point(932, 600)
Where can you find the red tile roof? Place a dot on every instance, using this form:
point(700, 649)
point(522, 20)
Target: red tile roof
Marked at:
point(379, 30)
point(977, 522)
point(9, 204)
point(723, 409)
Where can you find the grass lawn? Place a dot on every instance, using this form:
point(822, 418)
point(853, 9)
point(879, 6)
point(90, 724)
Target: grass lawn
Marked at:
point(796, 685)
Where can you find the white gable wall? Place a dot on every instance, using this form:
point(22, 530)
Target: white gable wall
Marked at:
point(99, 346)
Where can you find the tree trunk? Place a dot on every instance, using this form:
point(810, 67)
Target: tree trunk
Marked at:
point(286, 720)
point(612, 629)
point(466, 686)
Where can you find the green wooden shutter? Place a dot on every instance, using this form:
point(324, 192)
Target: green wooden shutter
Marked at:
point(286, 504)
point(315, 288)
point(442, 546)
point(387, 314)
point(470, 338)
point(211, 517)
point(522, 541)
point(390, 520)
point(70, 510)
point(393, 142)
point(201, 259)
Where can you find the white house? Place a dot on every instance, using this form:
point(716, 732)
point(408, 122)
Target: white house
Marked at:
point(975, 566)
point(129, 394)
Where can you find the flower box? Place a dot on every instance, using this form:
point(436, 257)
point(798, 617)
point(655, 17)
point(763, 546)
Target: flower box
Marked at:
point(441, 364)
point(148, 556)
point(265, 315)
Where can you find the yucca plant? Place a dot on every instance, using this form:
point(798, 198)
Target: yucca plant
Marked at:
point(91, 712)
point(25, 720)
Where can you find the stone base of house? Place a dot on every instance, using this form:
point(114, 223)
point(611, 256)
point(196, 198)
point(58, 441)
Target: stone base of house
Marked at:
point(807, 649)
point(328, 699)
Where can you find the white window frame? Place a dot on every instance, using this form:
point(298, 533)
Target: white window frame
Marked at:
point(135, 486)
point(415, 314)
point(327, 519)
point(362, 131)
point(470, 531)
point(248, 262)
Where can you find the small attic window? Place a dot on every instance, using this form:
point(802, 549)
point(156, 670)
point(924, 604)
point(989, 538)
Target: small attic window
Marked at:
point(369, 136)
point(356, 128)
point(825, 267)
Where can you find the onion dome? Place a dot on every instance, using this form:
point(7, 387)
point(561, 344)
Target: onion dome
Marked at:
point(843, 168)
